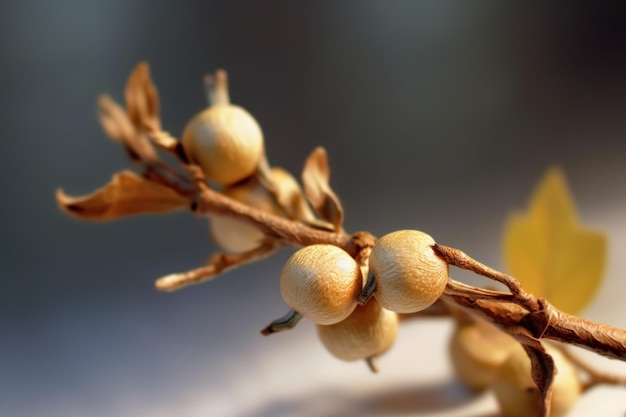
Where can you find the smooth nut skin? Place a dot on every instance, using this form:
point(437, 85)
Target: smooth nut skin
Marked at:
point(321, 282)
point(409, 275)
point(369, 331)
point(233, 235)
point(514, 387)
point(477, 350)
point(226, 141)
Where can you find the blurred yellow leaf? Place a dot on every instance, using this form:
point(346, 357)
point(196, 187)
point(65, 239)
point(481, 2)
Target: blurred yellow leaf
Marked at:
point(550, 252)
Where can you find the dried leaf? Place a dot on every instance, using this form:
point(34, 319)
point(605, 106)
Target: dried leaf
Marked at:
point(114, 120)
point(549, 252)
point(142, 99)
point(542, 372)
point(126, 194)
point(542, 368)
point(288, 194)
point(118, 126)
point(315, 178)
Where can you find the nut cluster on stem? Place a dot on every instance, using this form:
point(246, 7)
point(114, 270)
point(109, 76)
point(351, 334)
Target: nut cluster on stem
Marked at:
point(223, 173)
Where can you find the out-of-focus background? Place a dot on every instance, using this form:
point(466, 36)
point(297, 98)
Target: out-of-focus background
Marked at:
point(437, 115)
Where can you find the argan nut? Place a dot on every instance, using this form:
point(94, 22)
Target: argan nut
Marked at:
point(409, 275)
point(321, 282)
point(368, 332)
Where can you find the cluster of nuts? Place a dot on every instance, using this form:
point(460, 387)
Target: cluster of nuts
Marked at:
point(486, 358)
point(356, 318)
point(323, 283)
point(227, 143)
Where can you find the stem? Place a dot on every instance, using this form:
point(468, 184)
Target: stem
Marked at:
point(461, 260)
point(368, 290)
point(219, 262)
point(600, 338)
point(216, 87)
point(458, 288)
point(372, 364)
point(595, 377)
point(288, 231)
point(286, 322)
point(606, 340)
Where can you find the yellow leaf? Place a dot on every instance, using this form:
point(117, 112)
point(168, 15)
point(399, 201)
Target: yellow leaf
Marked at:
point(550, 252)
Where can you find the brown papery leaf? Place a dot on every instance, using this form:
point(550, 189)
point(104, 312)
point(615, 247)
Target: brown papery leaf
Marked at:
point(114, 120)
point(142, 99)
point(542, 366)
point(126, 194)
point(542, 372)
point(315, 178)
point(118, 126)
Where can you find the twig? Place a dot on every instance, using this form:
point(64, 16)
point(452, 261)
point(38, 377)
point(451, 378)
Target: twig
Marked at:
point(218, 263)
point(595, 377)
point(520, 314)
point(461, 260)
point(458, 288)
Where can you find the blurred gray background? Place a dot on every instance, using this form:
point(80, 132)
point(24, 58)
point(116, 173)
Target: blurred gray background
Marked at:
point(437, 115)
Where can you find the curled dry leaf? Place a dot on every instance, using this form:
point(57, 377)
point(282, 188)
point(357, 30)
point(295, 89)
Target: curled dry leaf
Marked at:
point(118, 126)
point(114, 120)
point(542, 366)
point(315, 178)
point(288, 194)
point(142, 99)
point(126, 194)
point(550, 252)
point(291, 198)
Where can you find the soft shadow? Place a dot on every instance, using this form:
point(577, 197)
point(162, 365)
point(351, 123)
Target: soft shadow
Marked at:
point(393, 401)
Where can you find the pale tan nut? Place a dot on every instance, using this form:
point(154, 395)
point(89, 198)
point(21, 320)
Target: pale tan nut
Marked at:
point(515, 391)
point(233, 235)
point(477, 350)
point(225, 140)
point(409, 275)
point(321, 282)
point(368, 332)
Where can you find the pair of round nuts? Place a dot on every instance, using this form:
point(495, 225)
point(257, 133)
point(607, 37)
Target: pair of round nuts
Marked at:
point(322, 282)
point(485, 357)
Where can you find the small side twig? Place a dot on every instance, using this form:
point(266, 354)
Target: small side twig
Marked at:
point(220, 262)
point(461, 260)
point(458, 288)
point(595, 377)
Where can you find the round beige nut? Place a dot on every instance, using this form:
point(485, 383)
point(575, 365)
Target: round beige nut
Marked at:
point(235, 236)
point(321, 282)
point(515, 390)
point(368, 332)
point(477, 350)
point(226, 141)
point(409, 275)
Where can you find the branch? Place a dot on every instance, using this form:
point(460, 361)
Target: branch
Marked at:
point(518, 313)
point(219, 262)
